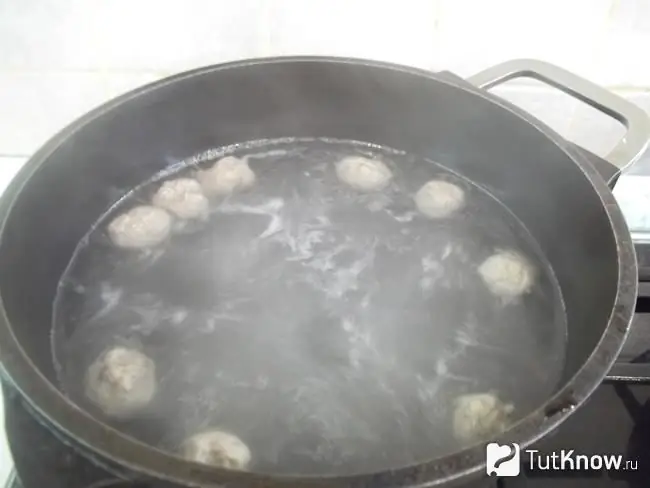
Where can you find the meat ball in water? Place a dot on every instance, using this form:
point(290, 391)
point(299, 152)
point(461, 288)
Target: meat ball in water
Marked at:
point(141, 227)
point(507, 274)
point(121, 381)
point(182, 197)
point(438, 199)
point(217, 448)
point(479, 416)
point(363, 174)
point(226, 176)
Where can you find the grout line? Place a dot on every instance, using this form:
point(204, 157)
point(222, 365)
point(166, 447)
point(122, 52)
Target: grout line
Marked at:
point(435, 34)
point(437, 12)
point(611, 13)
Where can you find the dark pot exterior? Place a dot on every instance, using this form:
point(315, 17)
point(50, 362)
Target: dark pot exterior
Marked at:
point(325, 97)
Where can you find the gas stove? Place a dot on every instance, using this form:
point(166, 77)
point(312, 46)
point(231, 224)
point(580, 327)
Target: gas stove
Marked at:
point(615, 421)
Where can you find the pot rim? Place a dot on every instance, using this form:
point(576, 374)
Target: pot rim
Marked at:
point(100, 440)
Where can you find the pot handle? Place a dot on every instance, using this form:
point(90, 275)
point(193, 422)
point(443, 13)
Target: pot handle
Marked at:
point(628, 150)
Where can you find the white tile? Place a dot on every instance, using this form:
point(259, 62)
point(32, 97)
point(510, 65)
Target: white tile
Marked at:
point(119, 83)
point(594, 130)
point(475, 35)
point(638, 97)
point(599, 133)
point(9, 166)
point(632, 193)
point(549, 105)
point(6, 463)
point(622, 47)
point(37, 105)
point(575, 120)
point(127, 35)
point(642, 99)
point(401, 32)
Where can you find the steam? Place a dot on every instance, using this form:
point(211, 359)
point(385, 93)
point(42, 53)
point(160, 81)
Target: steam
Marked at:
point(294, 322)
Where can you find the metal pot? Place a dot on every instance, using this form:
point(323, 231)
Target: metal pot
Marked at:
point(544, 180)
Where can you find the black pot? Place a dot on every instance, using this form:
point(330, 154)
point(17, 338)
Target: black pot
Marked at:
point(67, 184)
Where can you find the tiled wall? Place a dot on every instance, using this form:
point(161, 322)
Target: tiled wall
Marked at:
point(59, 58)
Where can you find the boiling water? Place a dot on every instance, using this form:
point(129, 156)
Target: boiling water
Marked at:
point(328, 329)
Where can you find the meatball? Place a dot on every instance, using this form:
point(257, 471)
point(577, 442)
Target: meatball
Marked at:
point(182, 197)
point(217, 448)
point(226, 176)
point(140, 227)
point(439, 199)
point(479, 416)
point(507, 274)
point(121, 381)
point(363, 174)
